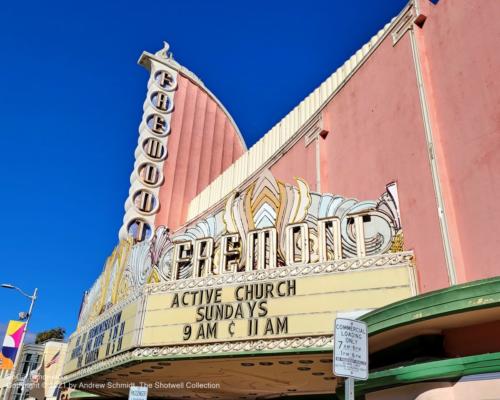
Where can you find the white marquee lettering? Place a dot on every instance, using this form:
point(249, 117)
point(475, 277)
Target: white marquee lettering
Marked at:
point(261, 251)
point(297, 235)
point(182, 257)
point(333, 225)
point(230, 253)
point(202, 259)
point(266, 249)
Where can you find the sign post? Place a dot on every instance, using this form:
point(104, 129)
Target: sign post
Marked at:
point(350, 352)
point(138, 393)
point(349, 389)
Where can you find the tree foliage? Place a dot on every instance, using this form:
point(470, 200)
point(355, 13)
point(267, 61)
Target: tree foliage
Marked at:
point(55, 333)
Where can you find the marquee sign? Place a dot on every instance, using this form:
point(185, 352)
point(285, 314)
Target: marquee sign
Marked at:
point(276, 261)
point(111, 335)
point(271, 225)
point(298, 302)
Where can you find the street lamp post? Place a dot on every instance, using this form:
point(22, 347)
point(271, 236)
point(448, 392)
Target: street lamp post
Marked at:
point(33, 297)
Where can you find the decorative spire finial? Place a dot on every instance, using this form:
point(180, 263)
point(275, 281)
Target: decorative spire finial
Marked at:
point(164, 53)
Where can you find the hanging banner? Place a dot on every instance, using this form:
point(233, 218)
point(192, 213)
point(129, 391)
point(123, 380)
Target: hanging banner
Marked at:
point(11, 342)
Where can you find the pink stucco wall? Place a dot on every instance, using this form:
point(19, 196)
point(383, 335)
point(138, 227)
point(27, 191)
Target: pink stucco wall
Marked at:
point(202, 143)
point(376, 137)
point(298, 162)
point(459, 49)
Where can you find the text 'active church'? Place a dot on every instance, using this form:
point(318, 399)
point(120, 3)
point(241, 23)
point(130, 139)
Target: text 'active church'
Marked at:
point(375, 198)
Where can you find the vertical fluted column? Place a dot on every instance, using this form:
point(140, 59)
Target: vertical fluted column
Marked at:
point(147, 177)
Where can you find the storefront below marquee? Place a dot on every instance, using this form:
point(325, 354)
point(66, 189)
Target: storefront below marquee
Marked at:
point(362, 202)
point(437, 346)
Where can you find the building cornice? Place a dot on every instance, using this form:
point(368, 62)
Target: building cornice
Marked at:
point(453, 300)
point(289, 130)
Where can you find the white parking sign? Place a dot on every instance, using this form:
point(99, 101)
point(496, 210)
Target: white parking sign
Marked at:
point(350, 354)
point(138, 393)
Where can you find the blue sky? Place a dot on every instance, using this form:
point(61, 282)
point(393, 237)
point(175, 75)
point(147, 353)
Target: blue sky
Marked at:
point(71, 98)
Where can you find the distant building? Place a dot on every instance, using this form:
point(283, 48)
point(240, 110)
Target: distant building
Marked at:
point(45, 380)
point(5, 381)
point(375, 198)
point(30, 358)
point(38, 374)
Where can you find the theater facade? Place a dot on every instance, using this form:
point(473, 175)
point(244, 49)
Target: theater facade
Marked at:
point(375, 198)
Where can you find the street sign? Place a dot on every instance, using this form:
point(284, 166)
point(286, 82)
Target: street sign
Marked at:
point(138, 393)
point(350, 354)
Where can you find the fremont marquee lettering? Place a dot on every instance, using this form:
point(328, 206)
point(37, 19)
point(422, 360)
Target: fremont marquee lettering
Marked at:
point(261, 248)
point(250, 305)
